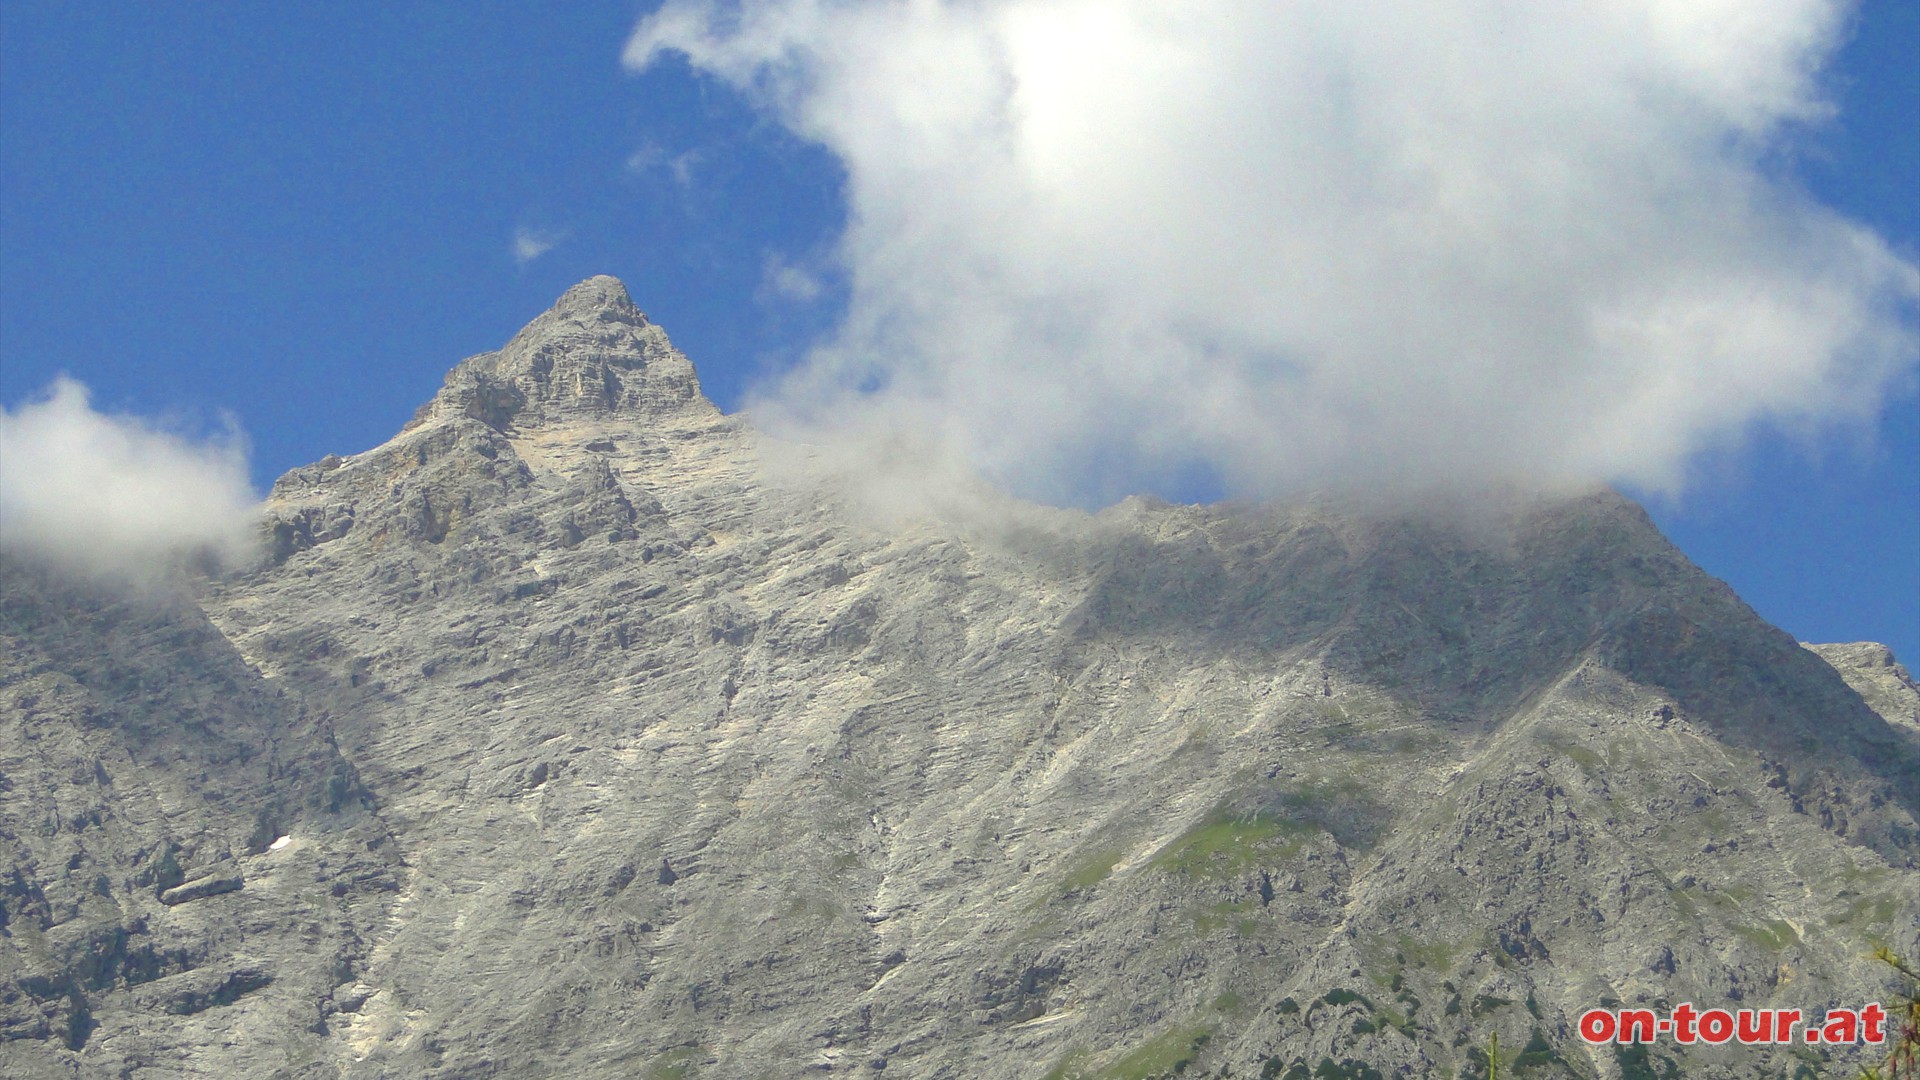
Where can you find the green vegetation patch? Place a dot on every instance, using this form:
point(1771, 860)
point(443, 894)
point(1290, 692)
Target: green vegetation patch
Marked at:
point(1263, 828)
point(1168, 1055)
point(1091, 870)
point(1587, 758)
point(1238, 914)
point(1345, 808)
point(1865, 910)
point(675, 1064)
point(1083, 873)
point(1328, 1069)
point(1437, 956)
point(1388, 1018)
point(1776, 936)
point(1227, 846)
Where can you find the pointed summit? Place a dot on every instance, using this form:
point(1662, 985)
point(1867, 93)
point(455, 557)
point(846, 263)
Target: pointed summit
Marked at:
point(602, 297)
point(592, 352)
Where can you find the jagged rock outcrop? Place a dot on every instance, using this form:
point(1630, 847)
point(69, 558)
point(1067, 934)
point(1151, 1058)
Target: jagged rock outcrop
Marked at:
point(145, 769)
point(592, 354)
point(1880, 680)
point(676, 766)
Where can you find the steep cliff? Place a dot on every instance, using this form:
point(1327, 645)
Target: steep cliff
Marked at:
point(606, 748)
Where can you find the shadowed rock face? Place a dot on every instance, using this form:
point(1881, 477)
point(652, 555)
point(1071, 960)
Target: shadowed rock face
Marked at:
point(603, 752)
point(145, 770)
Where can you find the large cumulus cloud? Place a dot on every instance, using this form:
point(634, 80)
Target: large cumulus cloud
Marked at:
point(1096, 245)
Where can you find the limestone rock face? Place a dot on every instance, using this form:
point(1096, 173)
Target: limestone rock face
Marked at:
point(1880, 680)
point(593, 353)
point(607, 751)
point(145, 770)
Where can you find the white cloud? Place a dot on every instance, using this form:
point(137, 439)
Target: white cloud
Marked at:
point(1094, 244)
point(651, 156)
point(681, 166)
point(114, 496)
point(530, 244)
point(784, 280)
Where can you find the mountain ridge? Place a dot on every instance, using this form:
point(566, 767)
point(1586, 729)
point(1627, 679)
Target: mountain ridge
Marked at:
point(667, 760)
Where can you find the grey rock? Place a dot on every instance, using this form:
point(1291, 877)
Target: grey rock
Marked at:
point(615, 741)
point(212, 885)
point(1881, 681)
point(593, 354)
point(200, 989)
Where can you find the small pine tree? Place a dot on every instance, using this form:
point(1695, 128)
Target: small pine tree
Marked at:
point(1901, 1058)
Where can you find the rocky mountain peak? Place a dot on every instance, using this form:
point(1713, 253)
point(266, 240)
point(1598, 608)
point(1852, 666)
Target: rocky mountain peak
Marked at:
point(601, 297)
point(592, 353)
point(562, 734)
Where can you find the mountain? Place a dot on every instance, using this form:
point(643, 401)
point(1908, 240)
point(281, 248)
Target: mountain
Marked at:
point(581, 730)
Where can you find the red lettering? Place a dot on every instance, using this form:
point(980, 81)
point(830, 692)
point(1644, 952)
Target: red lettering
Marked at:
point(1683, 1017)
point(1597, 1025)
point(1842, 1026)
point(1752, 1027)
point(1874, 1018)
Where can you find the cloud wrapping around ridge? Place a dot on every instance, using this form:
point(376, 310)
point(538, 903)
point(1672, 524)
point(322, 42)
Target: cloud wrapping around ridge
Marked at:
point(1096, 245)
point(115, 497)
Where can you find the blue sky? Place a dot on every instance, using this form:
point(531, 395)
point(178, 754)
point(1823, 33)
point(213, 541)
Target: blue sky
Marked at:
point(303, 218)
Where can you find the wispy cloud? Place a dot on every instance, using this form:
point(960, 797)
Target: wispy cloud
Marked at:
point(652, 156)
point(782, 279)
point(1099, 244)
point(530, 244)
point(116, 496)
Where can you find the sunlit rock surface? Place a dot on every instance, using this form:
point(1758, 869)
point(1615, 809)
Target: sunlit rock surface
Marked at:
point(606, 750)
